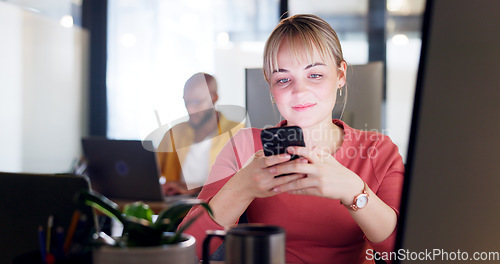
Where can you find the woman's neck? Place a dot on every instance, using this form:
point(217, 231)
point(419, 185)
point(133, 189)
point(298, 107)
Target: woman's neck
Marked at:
point(325, 135)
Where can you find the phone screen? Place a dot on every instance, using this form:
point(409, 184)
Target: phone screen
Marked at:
point(275, 140)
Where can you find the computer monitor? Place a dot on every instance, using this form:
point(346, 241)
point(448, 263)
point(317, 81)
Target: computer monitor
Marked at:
point(451, 203)
point(28, 200)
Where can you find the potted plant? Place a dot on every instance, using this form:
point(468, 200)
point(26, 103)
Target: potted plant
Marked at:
point(143, 239)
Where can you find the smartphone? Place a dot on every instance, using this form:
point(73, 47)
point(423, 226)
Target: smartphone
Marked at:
point(275, 140)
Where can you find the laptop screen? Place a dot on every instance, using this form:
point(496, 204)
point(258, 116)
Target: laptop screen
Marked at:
point(122, 169)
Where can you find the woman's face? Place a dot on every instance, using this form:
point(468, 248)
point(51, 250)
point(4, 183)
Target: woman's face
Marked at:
point(305, 92)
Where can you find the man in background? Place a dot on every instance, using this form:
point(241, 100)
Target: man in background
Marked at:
point(188, 150)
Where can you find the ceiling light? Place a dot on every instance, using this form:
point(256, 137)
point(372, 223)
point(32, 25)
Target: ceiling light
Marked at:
point(395, 5)
point(223, 38)
point(66, 21)
point(400, 39)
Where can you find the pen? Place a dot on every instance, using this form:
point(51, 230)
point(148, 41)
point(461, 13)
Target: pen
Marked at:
point(78, 236)
point(49, 257)
point(41, 241)
point(71, 230)
point(50, 222)
point(80, 228)
point(59, 254)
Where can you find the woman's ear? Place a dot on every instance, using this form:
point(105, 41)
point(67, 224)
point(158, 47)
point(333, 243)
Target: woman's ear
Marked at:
point(342, 73)
point(215, 97)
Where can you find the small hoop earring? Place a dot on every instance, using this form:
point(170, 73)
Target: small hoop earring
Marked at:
point(272, 98)
point(340, 90)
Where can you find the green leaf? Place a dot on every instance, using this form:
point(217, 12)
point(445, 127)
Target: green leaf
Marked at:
point(169, 219)
point(176, 238)
point(138, 210)
point(101, 203)
point(138, 229)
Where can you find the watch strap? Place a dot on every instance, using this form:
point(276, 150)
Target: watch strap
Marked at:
point(354, 205)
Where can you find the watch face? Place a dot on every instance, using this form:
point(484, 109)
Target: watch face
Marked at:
point(361, 201)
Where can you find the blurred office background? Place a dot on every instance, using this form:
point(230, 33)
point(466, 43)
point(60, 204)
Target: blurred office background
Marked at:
point(73, 68)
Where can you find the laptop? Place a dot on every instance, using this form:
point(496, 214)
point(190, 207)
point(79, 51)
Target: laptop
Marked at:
point(123, 169)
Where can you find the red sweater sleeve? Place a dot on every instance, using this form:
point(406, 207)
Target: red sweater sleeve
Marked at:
point(204, 222)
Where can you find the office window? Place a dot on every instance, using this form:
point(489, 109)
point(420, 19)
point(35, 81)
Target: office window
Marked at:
point(67, 12)
point(403, 53)
point(154, 46)
point(347, 18)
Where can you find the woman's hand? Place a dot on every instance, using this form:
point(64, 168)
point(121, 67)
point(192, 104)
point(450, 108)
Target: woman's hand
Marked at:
point(325, 176)
point(257, 178)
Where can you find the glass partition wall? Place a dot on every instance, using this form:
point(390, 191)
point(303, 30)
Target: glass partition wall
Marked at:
point(43, 85)
point(154, 46)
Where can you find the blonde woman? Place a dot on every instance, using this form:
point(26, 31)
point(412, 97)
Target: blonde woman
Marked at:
point(341, 200)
